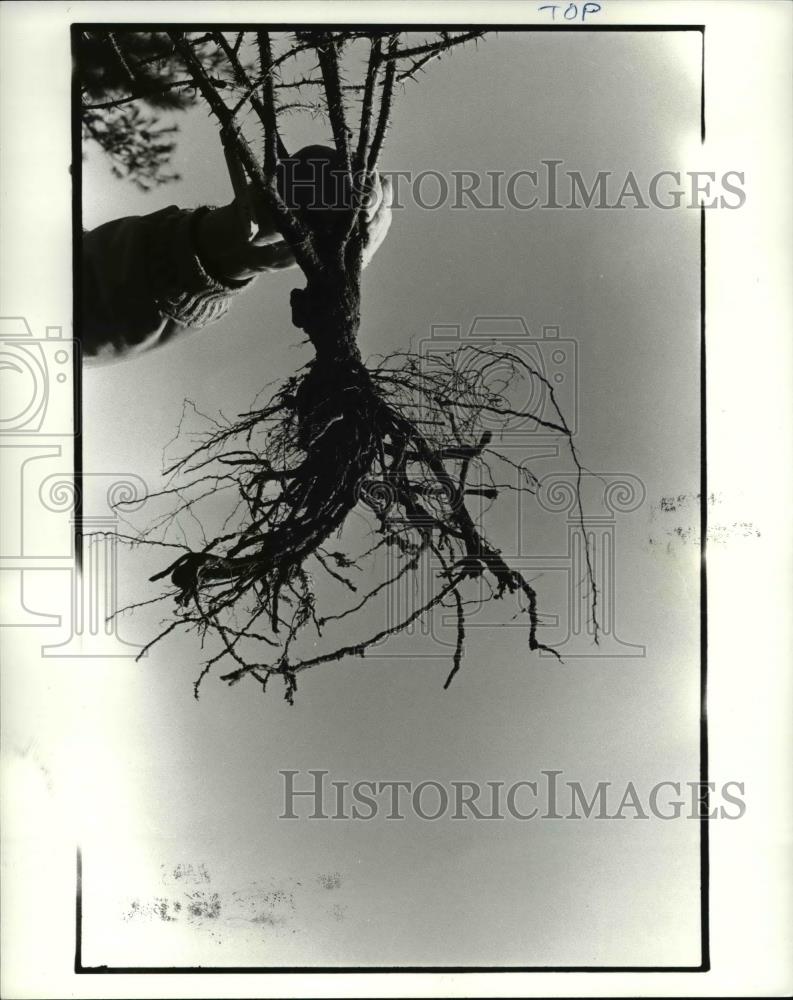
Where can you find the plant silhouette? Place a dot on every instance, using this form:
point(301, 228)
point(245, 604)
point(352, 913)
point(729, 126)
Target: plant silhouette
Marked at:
point(402, 442)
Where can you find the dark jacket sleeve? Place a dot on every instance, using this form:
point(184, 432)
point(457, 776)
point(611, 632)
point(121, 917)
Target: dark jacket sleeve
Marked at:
point(143, 284)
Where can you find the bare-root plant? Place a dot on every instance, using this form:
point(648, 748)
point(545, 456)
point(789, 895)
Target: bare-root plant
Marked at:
point(404, 442)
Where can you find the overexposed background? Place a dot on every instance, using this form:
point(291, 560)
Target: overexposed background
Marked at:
point(45, 702)
point(198, 782)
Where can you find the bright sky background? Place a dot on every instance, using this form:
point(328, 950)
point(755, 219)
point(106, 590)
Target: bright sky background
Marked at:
point(190, 783)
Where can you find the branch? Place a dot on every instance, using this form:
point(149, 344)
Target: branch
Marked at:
point(364, 131)
point(148, 92)
point(435, 48)
point(329, 64)
point(269, 118)
point(386, 98)
point(289, 225)
point(120, 57)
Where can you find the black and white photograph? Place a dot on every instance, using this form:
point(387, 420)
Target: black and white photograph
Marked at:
point(395, 550)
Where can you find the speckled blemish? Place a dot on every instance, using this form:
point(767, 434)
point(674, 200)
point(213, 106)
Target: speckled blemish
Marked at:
point(330, 880)
point(202, 905)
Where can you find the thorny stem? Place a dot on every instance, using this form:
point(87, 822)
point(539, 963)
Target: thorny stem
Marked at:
point(268, 104)
point(329, 64)
point(288, 224)
point(386, 100)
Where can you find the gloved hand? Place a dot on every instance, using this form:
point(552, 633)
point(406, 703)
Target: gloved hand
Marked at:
point(239, 240)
